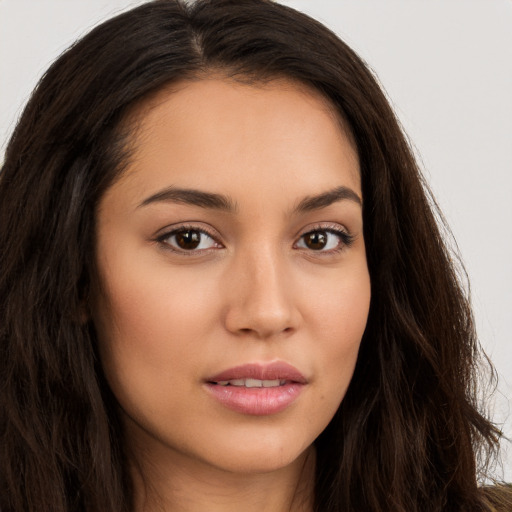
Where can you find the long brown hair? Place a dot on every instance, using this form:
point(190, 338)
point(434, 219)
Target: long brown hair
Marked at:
point(408, 435)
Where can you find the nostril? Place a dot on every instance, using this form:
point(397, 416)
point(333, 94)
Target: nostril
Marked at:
point(262, 332)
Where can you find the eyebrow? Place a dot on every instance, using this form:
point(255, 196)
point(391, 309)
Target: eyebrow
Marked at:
point(207, 200)
point(324, 199)
point(210, 200)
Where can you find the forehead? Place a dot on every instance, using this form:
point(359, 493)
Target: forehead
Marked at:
point(224, 133)
point(218, 84)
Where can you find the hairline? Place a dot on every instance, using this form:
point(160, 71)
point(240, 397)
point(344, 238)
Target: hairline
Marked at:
point(130, 128)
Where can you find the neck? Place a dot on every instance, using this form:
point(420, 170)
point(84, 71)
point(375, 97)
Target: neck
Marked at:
point(177, 484)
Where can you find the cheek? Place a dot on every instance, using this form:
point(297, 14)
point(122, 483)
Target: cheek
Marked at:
point(149, 299)
point(150, 340)
point(338, 306)
point(337, 322)
point(147, 319)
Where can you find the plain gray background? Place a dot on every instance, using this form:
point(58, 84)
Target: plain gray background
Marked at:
point(447, 68)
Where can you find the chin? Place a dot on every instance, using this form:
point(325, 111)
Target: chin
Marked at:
point(263, 453)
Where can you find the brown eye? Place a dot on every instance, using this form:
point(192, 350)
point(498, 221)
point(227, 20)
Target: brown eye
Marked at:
point(189, 240)
point(325, 240)
point(316, 240)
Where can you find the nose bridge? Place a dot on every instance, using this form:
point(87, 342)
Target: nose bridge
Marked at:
point(260, 301)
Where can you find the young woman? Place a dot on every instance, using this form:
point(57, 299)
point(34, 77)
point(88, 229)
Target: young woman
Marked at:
point(222, 286)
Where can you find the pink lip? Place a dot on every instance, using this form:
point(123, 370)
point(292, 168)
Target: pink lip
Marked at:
point(269, 371)
point(258, 401)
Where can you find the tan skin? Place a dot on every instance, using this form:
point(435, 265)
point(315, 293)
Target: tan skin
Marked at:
point(187, 290)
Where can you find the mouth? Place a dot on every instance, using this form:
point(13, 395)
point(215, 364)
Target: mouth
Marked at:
point(257, 389)
point(252, 383)
point(255, 375)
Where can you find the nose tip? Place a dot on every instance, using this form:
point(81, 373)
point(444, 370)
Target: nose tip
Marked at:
point(249, 320)
point(261, 303)
point(263, 327)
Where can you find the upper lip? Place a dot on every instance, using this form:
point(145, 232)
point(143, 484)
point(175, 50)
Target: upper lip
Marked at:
point(262, 371)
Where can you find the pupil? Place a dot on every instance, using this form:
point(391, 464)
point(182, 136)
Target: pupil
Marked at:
point(188, 239)
point(316, 240)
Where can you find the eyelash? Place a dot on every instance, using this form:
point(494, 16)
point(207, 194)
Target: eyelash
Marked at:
point(162, 239)
point(345, 239)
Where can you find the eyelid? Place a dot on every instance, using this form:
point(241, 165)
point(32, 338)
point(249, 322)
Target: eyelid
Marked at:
point(346, 238)
point(169, 231)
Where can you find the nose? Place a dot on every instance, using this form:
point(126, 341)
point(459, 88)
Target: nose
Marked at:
point(260, 301)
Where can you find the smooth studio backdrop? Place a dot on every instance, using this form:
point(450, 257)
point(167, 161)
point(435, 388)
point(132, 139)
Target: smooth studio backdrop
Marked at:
point(447, 68)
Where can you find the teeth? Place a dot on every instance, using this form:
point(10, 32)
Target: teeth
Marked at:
point(237, 382)
point(252, 383)
point(271, 383)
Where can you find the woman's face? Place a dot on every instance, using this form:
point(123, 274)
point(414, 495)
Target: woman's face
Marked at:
point(233, 284)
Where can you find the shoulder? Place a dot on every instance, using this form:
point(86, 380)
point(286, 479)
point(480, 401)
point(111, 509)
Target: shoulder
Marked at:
point(499, 497)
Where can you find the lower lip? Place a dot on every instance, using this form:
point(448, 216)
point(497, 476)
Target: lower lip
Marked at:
point(256, 401)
